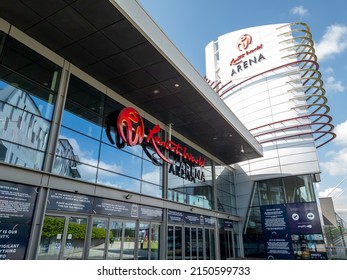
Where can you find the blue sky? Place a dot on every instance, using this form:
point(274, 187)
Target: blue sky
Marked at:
point(192, 24)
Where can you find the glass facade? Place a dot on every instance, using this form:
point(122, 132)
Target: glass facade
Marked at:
point(190, 184)
point(90, 154)
point(28, 90)
point(226, 201)
point(86, 150)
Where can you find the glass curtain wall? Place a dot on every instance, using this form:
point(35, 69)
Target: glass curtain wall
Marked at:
point(226, 201)
point(28, 90)
point(188, 183)
point(85, 152)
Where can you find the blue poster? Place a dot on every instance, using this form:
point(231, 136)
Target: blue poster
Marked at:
point(277, 239)
point(303, 218)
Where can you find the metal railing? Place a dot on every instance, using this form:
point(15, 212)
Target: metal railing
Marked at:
point(337, 253)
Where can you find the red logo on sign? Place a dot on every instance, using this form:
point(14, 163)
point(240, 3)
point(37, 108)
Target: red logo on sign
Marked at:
point(131, 130)
point(243, 42)
point(130, 126)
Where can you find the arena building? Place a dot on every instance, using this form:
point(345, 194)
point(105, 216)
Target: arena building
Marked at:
point(113, 146)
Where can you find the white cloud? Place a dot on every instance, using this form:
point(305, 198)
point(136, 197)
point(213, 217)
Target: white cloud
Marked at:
point(332, 85)
point(337, 165)
point(341, 133)
point(334, 41)
point(329, 192)
point(299, 10)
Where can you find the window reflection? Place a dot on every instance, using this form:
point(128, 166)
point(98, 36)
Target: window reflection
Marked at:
point(81, 125)
point(98, 239)
point(85, 152)
point(118, 181)
point(226, 201)
point(151, 173)
point(152, 190)
point(116, 160)
point(28, 85)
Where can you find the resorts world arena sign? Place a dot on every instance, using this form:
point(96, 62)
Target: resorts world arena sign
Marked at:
point(129, 130)
point(248, 57)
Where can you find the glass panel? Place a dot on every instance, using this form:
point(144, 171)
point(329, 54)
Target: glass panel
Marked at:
point(212, 244)
point(29, 63)
point(23, 130)
point(154, 241)
point(152, 190)
point(208, 244)
point(225, 190)
point(116, 238)
point(115, 160)
point(143, 246)
point(152, 173)
point(299, 189)
point(187, 243)
point(21, 156)
point(177, 196)
point(271, 191)
point(98, 240)
point(254, 224)
point(51, 238)
point(194, 243)
point(86, 106)
point(178, 243)
point(200, 244)
point(118, 181)
point(76, 156)
point(170, 242)
point(82, 125)
point(230, 243)
point(75, 239)
point(129, 241)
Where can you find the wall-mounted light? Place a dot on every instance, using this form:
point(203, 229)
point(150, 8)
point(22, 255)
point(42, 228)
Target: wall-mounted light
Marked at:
point(128, 196)
point(192, 209)
point(241, 149)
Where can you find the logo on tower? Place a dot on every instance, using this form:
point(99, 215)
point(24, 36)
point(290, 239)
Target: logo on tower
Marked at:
point(243, 42)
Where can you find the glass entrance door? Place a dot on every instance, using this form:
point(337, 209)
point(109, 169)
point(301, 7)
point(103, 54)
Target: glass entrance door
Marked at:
point(198, 243)
point(227, 244)
point(122, 236)
point(62, 238)
point(129, 241)
point(174, 243)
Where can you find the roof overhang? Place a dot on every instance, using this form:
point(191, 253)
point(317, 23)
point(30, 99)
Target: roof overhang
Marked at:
point(117, 43)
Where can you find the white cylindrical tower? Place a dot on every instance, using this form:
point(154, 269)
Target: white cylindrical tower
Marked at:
point(269, 77)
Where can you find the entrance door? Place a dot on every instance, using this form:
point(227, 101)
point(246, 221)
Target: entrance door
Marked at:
point(198, 243)
point(122, 235)
point(227, 244)
point(174, 245)
point(63, 238)
point(210, 243)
